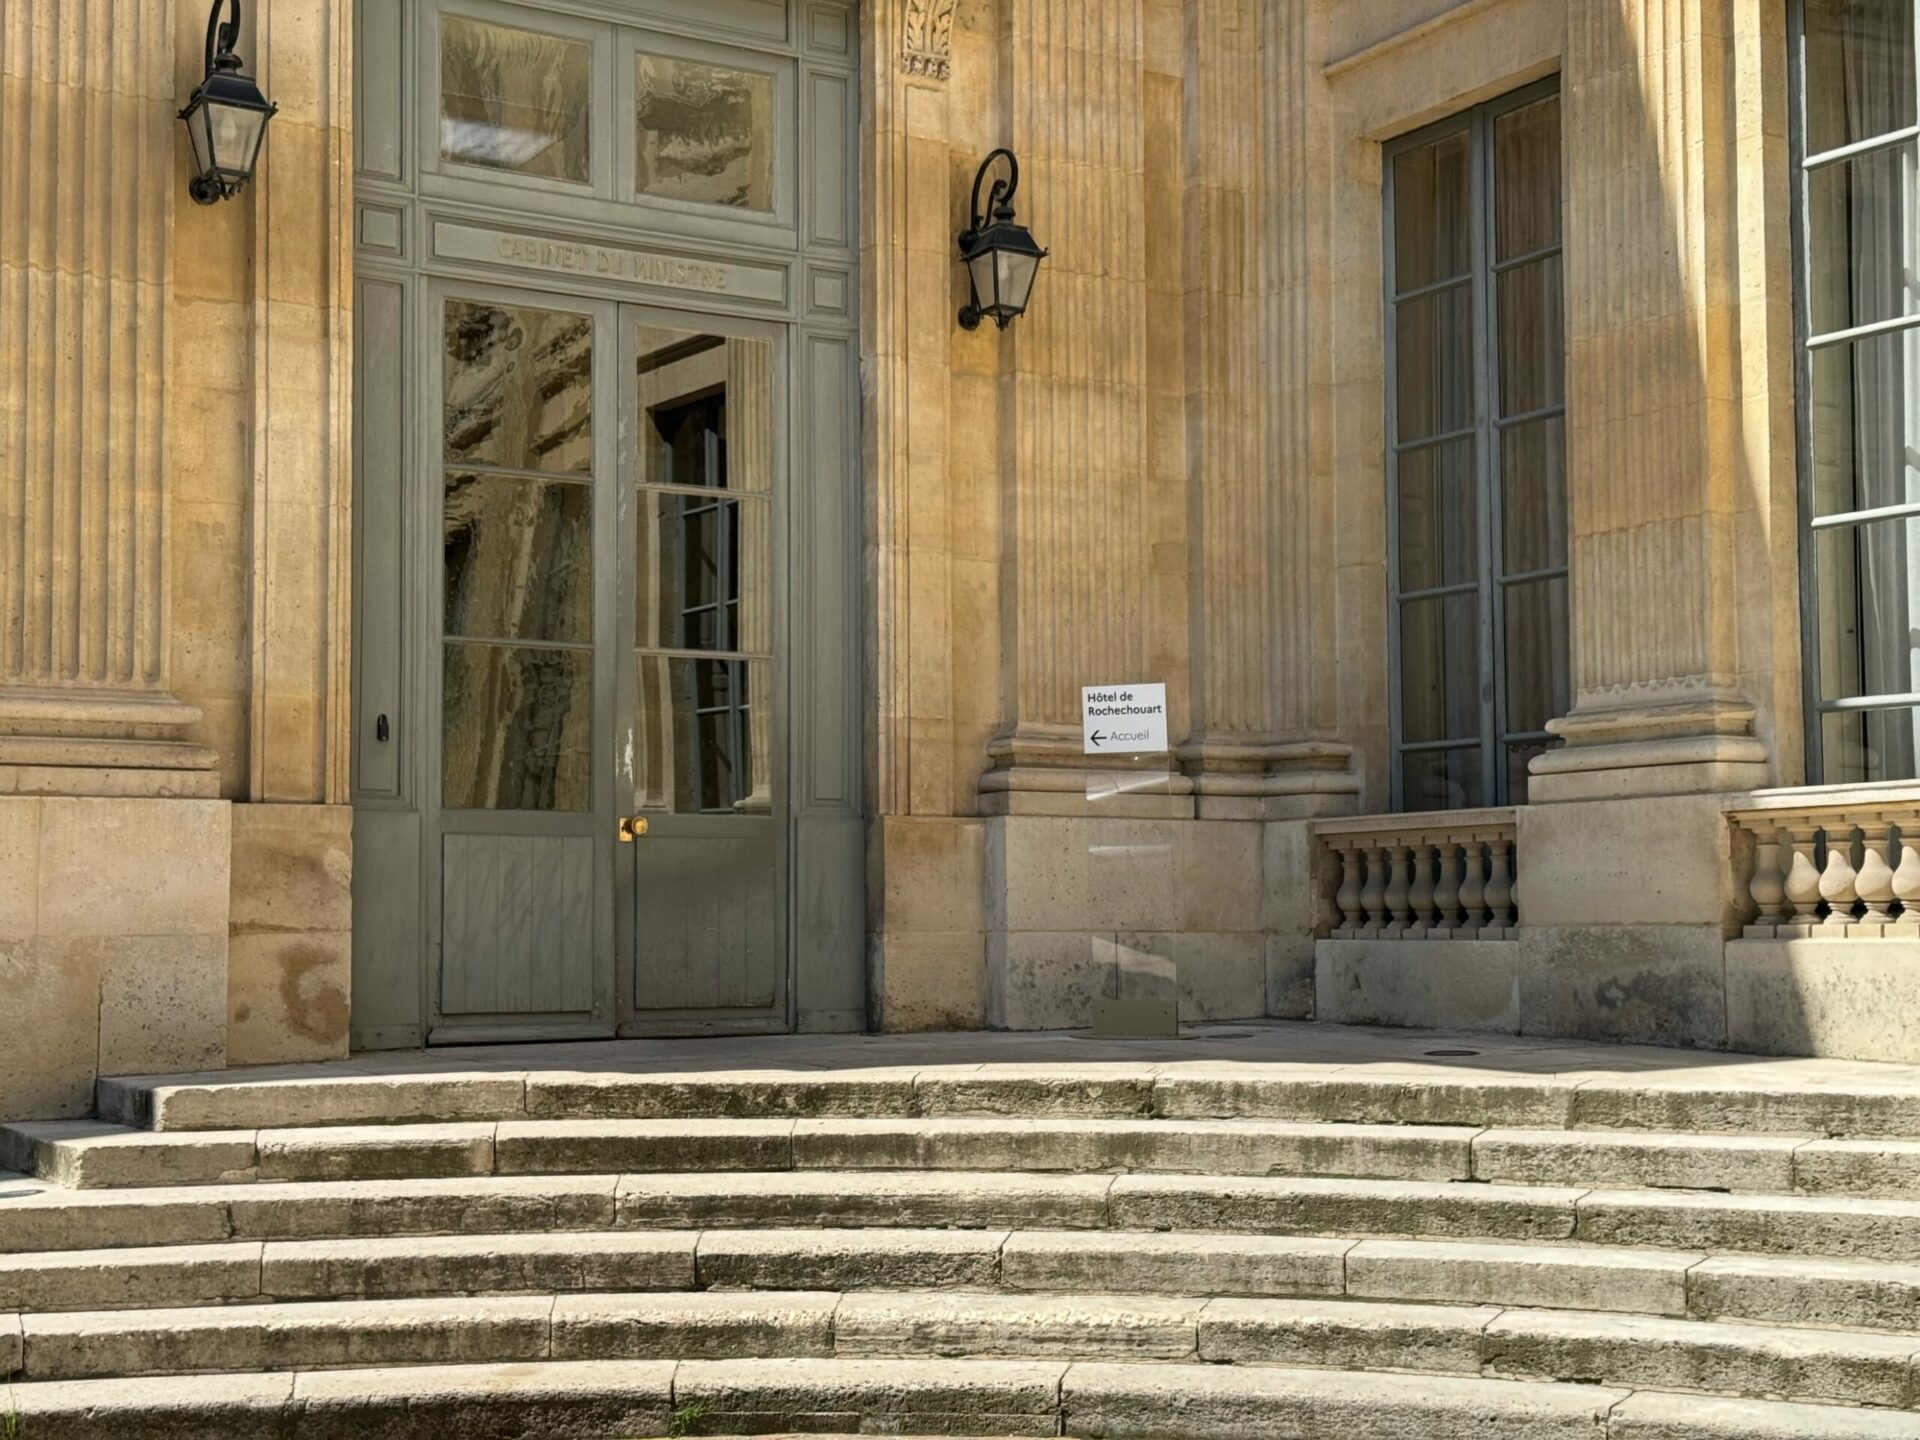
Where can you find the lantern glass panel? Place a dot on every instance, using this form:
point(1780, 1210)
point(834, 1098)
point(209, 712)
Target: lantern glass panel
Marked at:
point(236, 132)
point(1017, 270)
point(199, 137)
point(980, 268)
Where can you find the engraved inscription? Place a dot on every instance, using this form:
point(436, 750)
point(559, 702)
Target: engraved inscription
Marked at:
point(615, 264)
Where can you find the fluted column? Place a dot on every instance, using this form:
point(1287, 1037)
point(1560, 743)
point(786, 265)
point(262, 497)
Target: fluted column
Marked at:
point(1261, 740)
point(1077, 595)
point(86, 176)
point(87, 196)
point(1654, 444)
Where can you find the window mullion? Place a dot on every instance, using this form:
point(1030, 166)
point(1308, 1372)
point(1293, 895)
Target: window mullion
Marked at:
point(1485, 395)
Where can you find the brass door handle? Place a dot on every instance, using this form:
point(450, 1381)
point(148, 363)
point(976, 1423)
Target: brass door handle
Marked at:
point(632, 827)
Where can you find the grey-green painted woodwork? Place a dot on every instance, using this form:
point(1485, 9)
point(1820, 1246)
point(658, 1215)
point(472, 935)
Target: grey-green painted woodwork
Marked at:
point(737, 922)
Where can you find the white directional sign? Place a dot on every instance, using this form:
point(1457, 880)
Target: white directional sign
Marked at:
point(1123, 719)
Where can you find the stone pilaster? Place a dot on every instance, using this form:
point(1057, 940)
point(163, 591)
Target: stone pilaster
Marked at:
point(1654, 444)
point(302, 405)
point(1257, 743)
point(87, 190)
point(1077, 591)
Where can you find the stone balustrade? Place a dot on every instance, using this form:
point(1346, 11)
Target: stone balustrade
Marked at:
point(1832, 863)
point(1440, 876)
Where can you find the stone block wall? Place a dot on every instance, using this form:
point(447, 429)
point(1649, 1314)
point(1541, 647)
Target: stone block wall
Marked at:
point(113, 944)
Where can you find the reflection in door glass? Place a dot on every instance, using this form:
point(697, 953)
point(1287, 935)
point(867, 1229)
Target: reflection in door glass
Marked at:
point(517, 566)
point(703, 564)
point(700, 745)
point(518, 389)
point(514, 99)
point(703, 133)
point(519, 558)
point(517, 728)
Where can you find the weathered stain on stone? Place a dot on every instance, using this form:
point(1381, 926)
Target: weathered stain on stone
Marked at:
point(314, 1008)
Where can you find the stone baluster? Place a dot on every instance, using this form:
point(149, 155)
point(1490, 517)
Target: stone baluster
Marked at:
point(1373, 891)
point(1768, 887)
point(1420, 895)
point(1473, 892)
point(1399, 886)
point(1446, 889)
point(1347, 897)
point(1803, 880)
point(1838, 880)
point(1906, 877)
point(1874, 882)
point(1500, 883)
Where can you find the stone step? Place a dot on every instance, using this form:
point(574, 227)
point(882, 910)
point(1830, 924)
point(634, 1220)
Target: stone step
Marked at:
point(950, 1396)
point(1863, 1295)
point(1836, 1226)
point(1636, 1351)
point(85, 1154)
point(1194, 1091)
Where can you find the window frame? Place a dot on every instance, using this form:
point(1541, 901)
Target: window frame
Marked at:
point(1490, 581)
point(1814, 708)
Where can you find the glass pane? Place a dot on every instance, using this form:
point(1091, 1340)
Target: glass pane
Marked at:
point(1433, 348)
point(1864, 403)
point(1526, 179)
point(1539, 680)
point(708, 400)
point(1859, 80)
point(1432, 230)
point(1440, 668)
point(1533, 495)
point(519, 558)
point(518, 387)
point(1441, 779)
point(1533, 341)
point(1861, 244)
point(703, 133)
point(516, 728)
point(1518, 758)
point(514, 99)
point(702, 571)
point(1867, 580)
point(1437, 529)
point(1857, 746)
point(702, 736)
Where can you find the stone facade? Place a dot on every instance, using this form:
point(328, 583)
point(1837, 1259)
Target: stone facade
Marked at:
point(1171, 469)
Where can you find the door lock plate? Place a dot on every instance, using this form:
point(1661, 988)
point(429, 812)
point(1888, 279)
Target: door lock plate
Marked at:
point(632, 827)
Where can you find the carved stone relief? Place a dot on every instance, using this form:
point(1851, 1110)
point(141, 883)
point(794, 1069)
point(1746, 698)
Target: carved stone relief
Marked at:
point(927, 38)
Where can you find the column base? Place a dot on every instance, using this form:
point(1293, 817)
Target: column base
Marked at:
point(1687, 747)
point(105, 743)
point(1241, 777)
point(1041, 770)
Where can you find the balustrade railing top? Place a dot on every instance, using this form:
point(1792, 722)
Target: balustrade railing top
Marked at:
point(1447, 875)
point(1836, 862)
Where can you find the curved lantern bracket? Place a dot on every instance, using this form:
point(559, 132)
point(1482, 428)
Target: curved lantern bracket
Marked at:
point(999, 253)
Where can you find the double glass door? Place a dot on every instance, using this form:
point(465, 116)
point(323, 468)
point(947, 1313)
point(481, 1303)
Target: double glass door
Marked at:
point(610, 810)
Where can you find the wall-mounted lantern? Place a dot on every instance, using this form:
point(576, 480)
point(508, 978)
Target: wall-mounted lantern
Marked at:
point(227, 116)
point(1000, 256)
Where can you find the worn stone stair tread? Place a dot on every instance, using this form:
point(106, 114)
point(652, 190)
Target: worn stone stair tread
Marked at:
point(1193, 1090)
point(96, 1154)
point(1641, 1351)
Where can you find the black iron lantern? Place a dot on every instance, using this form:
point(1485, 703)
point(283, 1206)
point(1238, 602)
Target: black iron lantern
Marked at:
point(227, 116)
point(1000, 256)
